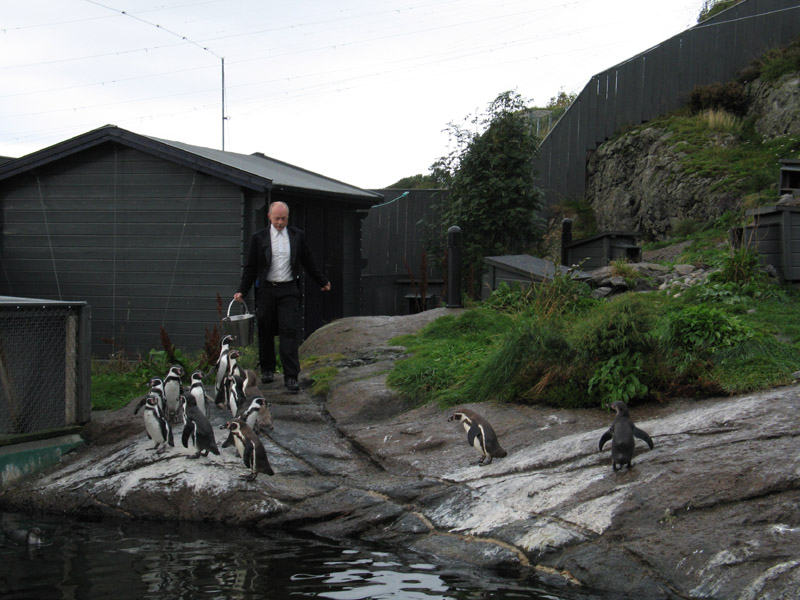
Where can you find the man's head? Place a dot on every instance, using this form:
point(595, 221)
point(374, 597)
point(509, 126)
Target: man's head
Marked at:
point(278, 215)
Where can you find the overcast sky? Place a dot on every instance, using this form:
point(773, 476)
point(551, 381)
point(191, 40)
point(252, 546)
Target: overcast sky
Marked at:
point(357, 90)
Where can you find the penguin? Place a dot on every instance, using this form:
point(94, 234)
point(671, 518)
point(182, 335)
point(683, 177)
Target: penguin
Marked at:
point(621, 434)
point(197, 427)
point(236, 396)
point(250, 449)
point(156, 388)
point(222, 370)
point(256, 415)
point(173, 389)
point(23, 537)
point(157, 425)
point(480, 435)
point(198, 391)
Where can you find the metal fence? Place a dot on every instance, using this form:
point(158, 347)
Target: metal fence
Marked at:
point(45, 365)
point(656, 82)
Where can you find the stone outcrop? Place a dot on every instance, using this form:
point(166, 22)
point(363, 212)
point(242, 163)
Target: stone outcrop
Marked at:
point(635, 182)
point(711, 512)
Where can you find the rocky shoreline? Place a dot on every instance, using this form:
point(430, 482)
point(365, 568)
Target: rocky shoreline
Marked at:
point(710, 512)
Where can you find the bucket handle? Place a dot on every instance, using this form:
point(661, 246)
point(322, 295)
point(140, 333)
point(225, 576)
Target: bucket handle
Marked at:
point(242, 303)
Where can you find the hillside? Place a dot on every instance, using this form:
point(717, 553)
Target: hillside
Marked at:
point(689, 169)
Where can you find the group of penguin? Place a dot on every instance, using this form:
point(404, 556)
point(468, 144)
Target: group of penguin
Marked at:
point(481, 436)
point(168, 402)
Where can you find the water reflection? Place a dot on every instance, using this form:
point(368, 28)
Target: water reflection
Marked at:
point(138, 560)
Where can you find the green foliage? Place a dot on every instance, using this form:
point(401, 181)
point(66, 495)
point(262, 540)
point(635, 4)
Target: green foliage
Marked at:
point(493, 194)
point(618, 378)
point(624, 324)
point(730, 97)
point(742, 266)
point(446, 353)
point(530, 357)
point(713, 7)
point(321, 380)
point(778, 62)
point(700, 329)
point(415, 182)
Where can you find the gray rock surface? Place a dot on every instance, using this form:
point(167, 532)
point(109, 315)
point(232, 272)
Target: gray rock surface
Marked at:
point(713, 511)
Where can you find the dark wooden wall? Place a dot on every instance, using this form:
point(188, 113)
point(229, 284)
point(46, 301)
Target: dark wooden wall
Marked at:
point(144, 241)
point(395, 237)
point(657, 81)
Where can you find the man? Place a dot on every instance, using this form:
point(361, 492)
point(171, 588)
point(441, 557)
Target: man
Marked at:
point(273, 263)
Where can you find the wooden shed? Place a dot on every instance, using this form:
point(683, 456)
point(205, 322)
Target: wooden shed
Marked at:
point(775, 235)
point(520, 270)
point(598, 250)
point(149, 232)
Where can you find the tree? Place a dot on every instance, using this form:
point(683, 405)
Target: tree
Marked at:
point(493, 194)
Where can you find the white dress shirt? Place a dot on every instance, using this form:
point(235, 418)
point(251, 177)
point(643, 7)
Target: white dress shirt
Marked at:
point(280, 269)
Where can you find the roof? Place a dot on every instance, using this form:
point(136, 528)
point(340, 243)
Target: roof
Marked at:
point(629, 236)
point(253, 171)
point(532, 266)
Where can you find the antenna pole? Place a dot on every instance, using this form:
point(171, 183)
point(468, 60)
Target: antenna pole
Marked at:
point(223, 103)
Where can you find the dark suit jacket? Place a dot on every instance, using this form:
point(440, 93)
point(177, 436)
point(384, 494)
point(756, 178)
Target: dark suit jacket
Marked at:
point(259, 258)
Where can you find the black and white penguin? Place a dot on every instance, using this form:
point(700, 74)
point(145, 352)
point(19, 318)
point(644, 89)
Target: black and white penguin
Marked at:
point(173, 389)
point(622, 433)
point(198, 391)
point(157, 389)
point(256, 415)
point(222, 371)
point(156, 424)
point(23, 537)
point(197, 428)
point(250, 449)
point(236, 396)
point(480, 435)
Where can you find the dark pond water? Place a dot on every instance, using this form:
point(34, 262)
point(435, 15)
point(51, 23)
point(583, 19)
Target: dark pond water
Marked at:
point(138, 560)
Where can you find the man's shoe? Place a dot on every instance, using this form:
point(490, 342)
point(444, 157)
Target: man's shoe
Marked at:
point(267, 377)
point(291, 385)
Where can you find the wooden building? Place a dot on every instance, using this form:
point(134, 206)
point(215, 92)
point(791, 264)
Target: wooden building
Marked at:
point(150, 232)
point(775, 235)
point(520, 270)
point(598, 250)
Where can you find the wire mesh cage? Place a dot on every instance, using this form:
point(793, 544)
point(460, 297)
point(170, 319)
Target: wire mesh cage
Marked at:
point(44, 366)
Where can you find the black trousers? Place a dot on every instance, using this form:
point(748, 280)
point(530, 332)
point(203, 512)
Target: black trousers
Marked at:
point(278, 313)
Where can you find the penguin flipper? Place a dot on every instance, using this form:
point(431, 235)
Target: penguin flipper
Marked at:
point(140, 405)
point(474, 432)
point(642, 435)
point(248, 454)
point(188, 429)
point(605, 437)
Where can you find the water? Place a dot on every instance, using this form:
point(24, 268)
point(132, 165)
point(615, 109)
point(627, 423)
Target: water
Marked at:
point(138, 560)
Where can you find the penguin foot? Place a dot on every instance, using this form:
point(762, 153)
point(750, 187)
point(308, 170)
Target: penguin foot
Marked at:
point(192, 456)
point(250, 477)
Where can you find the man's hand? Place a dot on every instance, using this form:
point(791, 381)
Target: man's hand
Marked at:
point(238, 297)
point(325, 288)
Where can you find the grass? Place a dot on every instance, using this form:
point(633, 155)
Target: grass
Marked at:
point(727, 336)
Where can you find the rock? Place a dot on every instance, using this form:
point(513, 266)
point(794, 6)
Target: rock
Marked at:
point(710, 512)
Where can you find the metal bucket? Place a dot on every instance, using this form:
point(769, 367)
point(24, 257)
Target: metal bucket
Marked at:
point(241, 327)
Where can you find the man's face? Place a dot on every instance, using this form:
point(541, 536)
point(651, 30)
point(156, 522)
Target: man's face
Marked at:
point(279, 217)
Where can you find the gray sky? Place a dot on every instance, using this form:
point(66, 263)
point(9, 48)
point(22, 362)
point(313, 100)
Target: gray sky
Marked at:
point(358, 90)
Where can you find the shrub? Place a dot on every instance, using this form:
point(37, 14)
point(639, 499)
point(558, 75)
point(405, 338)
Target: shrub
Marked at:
point(730, 97)
point(618, 378)
point(622, 325)
point(522, 365)
point(703, 329)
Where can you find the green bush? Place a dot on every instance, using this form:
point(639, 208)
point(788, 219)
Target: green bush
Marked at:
point(702, 330)
point(618, 378)
point(730, 96)
point(621, 325)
